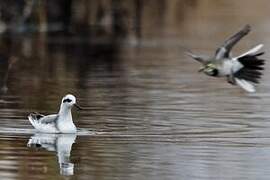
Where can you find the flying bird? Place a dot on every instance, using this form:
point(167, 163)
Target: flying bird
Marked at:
point(244, 70)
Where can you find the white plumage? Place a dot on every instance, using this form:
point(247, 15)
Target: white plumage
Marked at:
point(56, 123)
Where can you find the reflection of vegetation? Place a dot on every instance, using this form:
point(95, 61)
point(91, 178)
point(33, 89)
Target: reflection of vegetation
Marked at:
point(20, 163)
point(114, 17)
point(10, 62)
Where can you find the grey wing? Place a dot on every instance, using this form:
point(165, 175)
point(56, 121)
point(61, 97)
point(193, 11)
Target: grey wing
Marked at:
point(49, 119)
point(202, 59)
point(224, 50)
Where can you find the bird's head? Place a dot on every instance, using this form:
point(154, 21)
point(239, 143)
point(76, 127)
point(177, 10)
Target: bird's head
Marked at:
point(69, 101)
point(209, 69)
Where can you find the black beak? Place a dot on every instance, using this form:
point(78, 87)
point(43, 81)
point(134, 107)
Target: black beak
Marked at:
point(78, 107)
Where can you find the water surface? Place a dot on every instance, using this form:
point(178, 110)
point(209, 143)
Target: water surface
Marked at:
point(154, 116)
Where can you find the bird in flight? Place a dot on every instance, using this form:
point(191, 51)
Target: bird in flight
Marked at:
point(244, 70)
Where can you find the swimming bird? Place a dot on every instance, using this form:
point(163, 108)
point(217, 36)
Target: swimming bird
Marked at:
point(242, 70)
point(56, 123)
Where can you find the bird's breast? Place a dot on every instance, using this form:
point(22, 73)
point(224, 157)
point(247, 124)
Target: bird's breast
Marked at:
point(66, 125)
point(226, 68)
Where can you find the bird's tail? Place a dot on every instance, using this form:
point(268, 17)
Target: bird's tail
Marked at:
point(252, 68)
point(33, 117)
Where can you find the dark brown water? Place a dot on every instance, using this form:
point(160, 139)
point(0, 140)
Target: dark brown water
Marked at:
point(152, 115)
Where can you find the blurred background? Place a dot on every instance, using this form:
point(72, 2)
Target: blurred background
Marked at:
point(44, 41)
point(124, 60)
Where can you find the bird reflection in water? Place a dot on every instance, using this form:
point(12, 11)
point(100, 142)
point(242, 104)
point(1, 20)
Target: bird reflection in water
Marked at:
point(61, 144)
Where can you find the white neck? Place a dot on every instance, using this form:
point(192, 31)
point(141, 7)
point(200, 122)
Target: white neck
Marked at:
point(65, 123)
point(65, 113)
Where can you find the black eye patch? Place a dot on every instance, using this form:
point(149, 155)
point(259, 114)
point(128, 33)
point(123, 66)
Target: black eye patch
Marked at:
point(67, 100)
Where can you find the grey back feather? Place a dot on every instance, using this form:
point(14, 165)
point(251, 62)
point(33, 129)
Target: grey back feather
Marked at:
point(49, 119)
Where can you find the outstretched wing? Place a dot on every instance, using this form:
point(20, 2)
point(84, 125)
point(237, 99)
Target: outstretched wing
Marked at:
point(252, 64)
point(247, 86)
point(202, 59)
point(225, 49)
point(251, 71)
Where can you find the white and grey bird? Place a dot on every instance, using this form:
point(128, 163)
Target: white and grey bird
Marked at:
point(243, 70)
point(56, 123)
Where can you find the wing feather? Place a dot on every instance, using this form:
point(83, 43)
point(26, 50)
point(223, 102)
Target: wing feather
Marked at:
point(225, 49)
